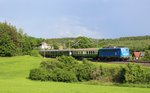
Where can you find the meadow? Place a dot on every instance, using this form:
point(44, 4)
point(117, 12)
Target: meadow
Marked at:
point(14, 79)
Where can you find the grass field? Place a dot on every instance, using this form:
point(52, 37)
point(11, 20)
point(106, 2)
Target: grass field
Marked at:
point(13, 79)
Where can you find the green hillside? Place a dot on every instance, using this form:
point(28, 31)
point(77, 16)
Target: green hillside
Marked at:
point(17, 67)
point(14, 72)
point(137, 43)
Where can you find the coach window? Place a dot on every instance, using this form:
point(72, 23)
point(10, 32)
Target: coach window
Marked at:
point(89, 52)
point(78, 52)
point(93, 52)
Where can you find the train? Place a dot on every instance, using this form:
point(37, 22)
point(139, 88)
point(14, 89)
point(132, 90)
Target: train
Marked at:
point(105, 54)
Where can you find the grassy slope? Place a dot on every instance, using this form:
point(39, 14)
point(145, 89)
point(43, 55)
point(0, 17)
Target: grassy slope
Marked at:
point(13, 73)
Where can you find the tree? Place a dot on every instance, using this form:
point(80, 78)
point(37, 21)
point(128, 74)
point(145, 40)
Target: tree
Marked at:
point(146, 56)
point(9, 40)
point(82, 42)
point(15, 42)
point(55, 46)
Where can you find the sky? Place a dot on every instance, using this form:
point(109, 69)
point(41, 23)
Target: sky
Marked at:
point(73, 18)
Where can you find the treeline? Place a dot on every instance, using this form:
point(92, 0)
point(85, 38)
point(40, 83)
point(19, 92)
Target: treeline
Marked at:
point(136, 38)
point(14, 41)
point(79, 42)
point(139, 43)
point(135, 44)
point(67, 69)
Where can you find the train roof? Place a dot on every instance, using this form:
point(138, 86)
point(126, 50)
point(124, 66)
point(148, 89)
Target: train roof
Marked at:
point(107, 48)
point(84, 49)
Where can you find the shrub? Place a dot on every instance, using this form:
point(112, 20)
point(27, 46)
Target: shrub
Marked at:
point(67, 60)
point(35, 53)
point(113, 74)
point(67, 69)
point(148, 78)
point(134, 74)
point(120, 78)
point(97, 73)
point(146, 56)
point(51, 65)
point(61, 70)
point(109, 74)
point(62, 75)
point(83, 71)
point(38, 74)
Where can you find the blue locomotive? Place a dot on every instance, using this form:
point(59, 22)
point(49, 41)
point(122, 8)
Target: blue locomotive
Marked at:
point(107, 53)
point(114, 53)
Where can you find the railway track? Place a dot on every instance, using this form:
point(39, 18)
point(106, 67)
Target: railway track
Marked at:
point(144, 63)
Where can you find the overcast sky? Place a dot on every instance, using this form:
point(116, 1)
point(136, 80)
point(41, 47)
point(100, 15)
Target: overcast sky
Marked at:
point(72, 18)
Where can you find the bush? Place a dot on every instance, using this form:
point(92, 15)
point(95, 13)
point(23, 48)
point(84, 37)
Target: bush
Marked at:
point(60, 69)
point(35, 53)
point(67, 60)
point(97, 73)
point(109, 74)
point(51, 65)
point(38, 74)
point(134, 73)
point(63, 75)
point(121, 75)
point(146, 56)
point(83, 71)
point(148, 78)
point(67, 69)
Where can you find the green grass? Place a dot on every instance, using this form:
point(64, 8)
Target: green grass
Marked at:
point(17, 67)
point(14, 72)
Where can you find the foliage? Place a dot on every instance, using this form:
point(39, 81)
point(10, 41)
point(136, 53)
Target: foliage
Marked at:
point(138, 43)
point(38, 74)
point(51, 65)
point(134, 74)
point(83, 71)
point(147, 74)
point(55, 46)
point(62, 75)
point(82, 42)
point(14, 42)
point(121, 75)
point(9, 40)
point(35, 53)
point(67, 69)
point(146, 56)
point(68, 61)
point(97, 73)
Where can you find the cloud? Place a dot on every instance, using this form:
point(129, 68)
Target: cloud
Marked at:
point(71, 27)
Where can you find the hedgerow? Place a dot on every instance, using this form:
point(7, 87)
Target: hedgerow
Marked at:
point(67, 69)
